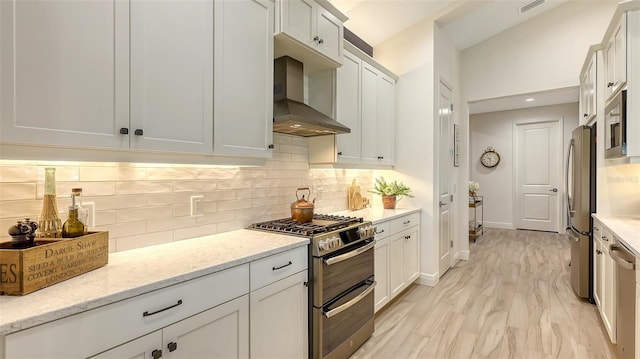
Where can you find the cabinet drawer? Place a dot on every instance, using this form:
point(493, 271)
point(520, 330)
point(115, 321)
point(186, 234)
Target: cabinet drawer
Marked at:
point(278, 266)
point(121, 321)
point(404, 222)
point(382, 230)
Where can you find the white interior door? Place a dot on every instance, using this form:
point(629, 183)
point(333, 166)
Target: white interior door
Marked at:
point(538, 152)
point(444, 172)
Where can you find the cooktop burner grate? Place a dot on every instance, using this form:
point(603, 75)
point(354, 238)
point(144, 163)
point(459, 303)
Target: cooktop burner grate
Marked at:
point(321, 223)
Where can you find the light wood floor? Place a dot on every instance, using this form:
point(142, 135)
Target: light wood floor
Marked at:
point(512, 299)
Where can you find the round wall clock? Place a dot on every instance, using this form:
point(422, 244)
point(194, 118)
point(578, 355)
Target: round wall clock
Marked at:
point(490, 158)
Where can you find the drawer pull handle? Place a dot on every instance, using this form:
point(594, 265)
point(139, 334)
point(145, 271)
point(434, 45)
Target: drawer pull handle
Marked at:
point(381, 231)
point(156, 354)
point(286, 265)
point(605, 238)
point(147, 314)
point(406, 222)
point(172, 346)
point(407, 237)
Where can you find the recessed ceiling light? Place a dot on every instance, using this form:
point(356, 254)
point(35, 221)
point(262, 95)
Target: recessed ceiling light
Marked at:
point(530, 99)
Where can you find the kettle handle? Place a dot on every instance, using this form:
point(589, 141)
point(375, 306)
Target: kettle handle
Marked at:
point(303, 189)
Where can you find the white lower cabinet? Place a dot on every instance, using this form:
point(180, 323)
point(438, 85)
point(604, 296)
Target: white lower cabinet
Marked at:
point(258, 310)
point(381, 270)
point(604, 279)
point(397, 257)
point(220, 332)
point(279, 319)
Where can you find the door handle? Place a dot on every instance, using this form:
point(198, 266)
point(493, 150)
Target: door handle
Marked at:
point(553, 190)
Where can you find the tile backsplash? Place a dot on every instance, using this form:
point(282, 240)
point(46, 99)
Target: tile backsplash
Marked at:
point(146, 204)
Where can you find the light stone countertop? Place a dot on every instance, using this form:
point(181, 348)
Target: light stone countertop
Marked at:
point(626, 229)
point(138, 271)
point(378, 214)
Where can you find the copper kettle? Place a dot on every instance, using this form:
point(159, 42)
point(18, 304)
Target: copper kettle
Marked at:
point(302, 210)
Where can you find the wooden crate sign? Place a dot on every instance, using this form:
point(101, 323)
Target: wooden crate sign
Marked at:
point(51, 261)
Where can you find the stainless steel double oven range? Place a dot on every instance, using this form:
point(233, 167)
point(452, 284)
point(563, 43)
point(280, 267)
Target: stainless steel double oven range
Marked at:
point(341, 281)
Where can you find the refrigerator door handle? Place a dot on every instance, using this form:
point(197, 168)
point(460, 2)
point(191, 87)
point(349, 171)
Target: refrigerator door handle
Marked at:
point(570, 211)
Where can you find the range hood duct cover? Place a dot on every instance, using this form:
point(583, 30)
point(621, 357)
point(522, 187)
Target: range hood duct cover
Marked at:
point(290, 114)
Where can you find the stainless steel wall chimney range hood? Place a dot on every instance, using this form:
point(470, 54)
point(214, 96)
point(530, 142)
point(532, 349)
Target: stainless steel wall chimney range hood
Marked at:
point(290, 114)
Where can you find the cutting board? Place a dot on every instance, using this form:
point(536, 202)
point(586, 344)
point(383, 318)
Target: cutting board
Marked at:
point(356, 201)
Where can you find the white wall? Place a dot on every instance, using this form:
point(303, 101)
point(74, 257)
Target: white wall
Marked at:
point(421, 55)
point(495, 129)
point(544, 53)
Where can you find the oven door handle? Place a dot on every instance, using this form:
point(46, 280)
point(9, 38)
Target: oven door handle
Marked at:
point(344, 257)
point(351, 303)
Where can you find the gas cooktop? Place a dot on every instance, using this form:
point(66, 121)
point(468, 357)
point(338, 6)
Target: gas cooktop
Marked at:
point(321, 223)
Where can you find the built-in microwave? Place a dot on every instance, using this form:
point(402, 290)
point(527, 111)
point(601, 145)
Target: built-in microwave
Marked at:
point(615, 126)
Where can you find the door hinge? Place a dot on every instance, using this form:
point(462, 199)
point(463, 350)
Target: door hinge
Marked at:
point(451, 107)
point(451, 243)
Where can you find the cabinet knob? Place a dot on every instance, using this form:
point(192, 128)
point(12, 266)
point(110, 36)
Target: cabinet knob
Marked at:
point(316, 38)
point(407, 237)
point(609, 84)
point(156, 354)
point(271, 146)
point(138, 132)
point(172, 346)
point(340, 153)
point(604, 238)
point(321, 41)
point(598, 251)
point(585, 115)
point(124, 131)
point(380, 157)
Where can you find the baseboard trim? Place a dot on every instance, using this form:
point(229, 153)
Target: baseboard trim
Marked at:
point(501, 225)
point(430, 280)
point(464, 255)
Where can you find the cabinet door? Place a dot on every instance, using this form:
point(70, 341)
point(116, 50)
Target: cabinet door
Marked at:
point(411, 255)
point(279, 314)
point(386, 120)
point(620, 39)
point(369, 98)
point(598, 257)
point(609, 55)
point(64, 72)
point(220, 332)
point(244, 77)
point(381, 272)
point(396, 264)
point(141, 348)
point(298, 19)
point(609, 294)
point(593, 87)
point(330, 33)
point(172, 75)
point(348, 108)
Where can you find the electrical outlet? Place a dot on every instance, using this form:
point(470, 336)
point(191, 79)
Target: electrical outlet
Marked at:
point(91, 209)
point(197, 209)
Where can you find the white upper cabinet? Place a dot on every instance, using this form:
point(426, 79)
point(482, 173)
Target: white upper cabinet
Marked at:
point(64, 72)
point(588, 89)
point(171, 75)
point(378, 117)
point(243, 101)
point(309, 31)
point(616, 58)
point(348, 109)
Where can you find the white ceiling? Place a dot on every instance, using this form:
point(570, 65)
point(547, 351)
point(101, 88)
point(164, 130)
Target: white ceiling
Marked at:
point(467, 22)
point(547, 98)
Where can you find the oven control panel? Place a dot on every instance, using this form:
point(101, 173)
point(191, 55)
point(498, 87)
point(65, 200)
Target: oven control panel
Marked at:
point(343, 238)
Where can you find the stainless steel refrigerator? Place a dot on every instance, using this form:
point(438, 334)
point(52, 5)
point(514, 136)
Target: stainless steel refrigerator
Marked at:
point(580, 194)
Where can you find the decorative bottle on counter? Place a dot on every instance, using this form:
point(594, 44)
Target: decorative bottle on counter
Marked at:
point(49, 223)
point(72, 226)
point(83, 213)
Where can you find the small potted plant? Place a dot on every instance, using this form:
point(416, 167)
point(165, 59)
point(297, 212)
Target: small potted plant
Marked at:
point(391, 192)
